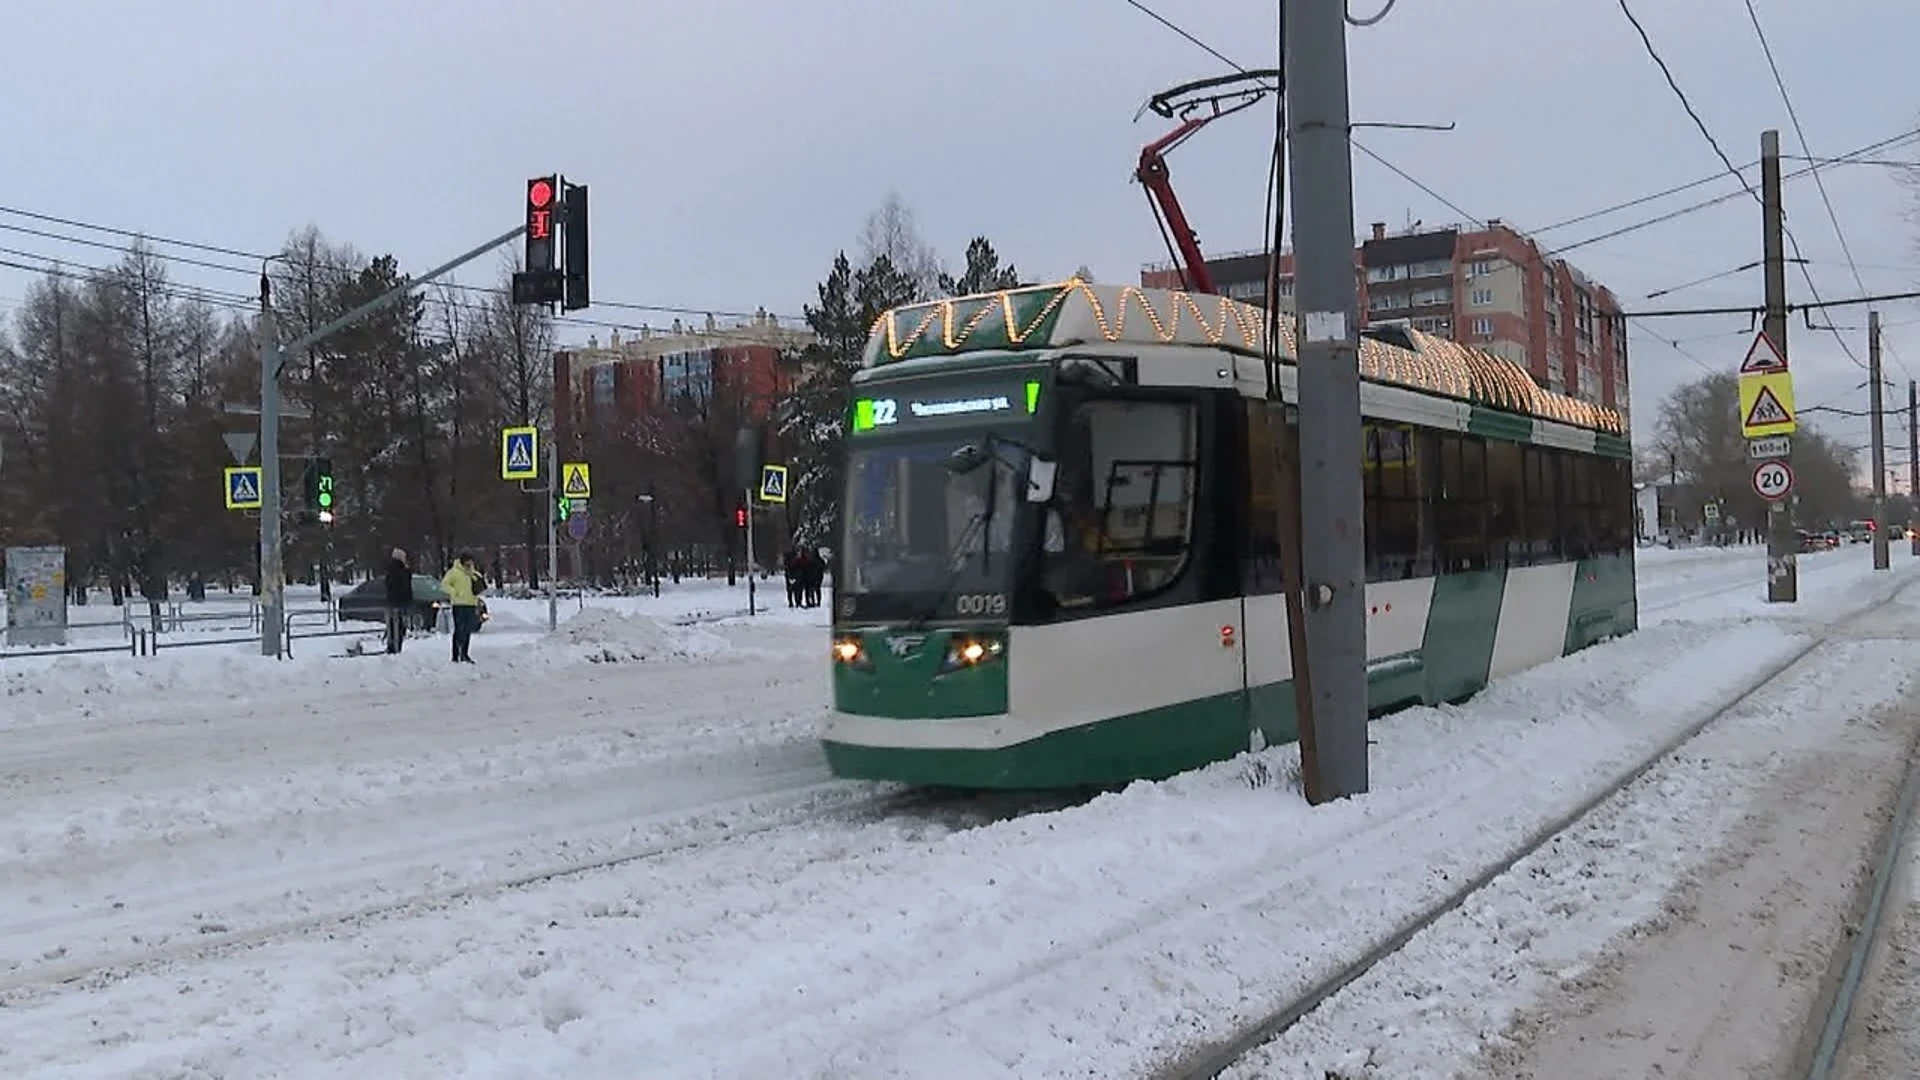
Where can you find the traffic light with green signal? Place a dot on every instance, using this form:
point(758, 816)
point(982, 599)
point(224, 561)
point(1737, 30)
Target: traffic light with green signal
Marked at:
point(562, 508)
point(320, 487)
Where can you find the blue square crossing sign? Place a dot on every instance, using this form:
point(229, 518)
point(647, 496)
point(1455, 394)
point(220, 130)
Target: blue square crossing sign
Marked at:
point(773, 483)
point(520, 453)
point(243, 488)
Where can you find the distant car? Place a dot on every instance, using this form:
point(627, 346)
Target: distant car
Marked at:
point(367, 602)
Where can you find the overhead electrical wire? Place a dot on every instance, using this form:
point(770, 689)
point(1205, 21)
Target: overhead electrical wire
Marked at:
point(282, 258)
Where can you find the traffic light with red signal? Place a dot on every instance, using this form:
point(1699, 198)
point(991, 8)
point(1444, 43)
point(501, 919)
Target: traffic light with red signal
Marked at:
point(740, 517)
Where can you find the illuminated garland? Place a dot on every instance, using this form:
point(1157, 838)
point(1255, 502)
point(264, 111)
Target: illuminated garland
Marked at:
point(1439, 365)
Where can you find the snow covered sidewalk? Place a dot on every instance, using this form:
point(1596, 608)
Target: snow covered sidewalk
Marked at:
point(1096, 941)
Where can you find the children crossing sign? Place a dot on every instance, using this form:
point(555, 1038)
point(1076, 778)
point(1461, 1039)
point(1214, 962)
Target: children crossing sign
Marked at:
point(578, 480)
point(1766, 405)
point(243, 488)
point(520, 453)
point(773, 483)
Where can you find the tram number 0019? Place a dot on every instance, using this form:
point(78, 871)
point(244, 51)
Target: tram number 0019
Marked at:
point(981, 604)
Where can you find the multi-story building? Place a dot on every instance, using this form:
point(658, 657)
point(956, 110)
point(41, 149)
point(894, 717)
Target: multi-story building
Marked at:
point(1491, 287)
point(606, 388)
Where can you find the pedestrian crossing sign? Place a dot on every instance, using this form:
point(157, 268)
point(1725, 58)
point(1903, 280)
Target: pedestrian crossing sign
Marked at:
point(520, 453)
point(243, 488)
point(578, 483)
point(773, 483)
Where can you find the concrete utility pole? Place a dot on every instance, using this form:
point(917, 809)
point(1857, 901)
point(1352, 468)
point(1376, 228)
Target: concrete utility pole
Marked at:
point(1332, 686)
point(273, 583)
point(1881, 556)
point(1913, 464)
point(1783, 566)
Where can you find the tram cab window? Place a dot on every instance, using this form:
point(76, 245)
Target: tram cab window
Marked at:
point(1121, 523)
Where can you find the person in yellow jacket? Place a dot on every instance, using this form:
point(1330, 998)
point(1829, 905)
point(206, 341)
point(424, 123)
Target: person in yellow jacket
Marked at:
point(463, 585)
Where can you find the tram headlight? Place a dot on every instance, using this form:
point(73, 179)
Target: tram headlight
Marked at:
point(972, 650)
point(850, 651)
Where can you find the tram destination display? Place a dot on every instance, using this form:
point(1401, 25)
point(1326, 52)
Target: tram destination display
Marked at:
point(946, 403)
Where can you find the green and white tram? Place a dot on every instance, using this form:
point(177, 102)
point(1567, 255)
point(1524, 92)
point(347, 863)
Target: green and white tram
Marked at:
point(1060, 560)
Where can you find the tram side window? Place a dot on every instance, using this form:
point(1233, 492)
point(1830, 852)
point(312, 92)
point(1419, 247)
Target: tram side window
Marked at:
point(1506, 504)
point(1261, 572)
point(1460, 503)
point(1398, 530)
point(1614, 521)
point(1544, 505)
point(1579, 525)
point(1126, 494)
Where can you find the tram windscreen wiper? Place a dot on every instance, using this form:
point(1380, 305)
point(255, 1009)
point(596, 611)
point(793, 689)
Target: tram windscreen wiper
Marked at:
point(956, 562)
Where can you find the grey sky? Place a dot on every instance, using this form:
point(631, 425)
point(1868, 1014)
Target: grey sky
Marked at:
point(734, 145)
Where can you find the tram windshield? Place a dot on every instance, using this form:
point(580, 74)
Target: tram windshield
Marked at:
point(920, 532)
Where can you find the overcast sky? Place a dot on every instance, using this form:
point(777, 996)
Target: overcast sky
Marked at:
point(733, 146)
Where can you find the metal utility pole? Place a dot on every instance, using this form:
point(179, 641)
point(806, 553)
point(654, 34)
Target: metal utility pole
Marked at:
point(746, 500)
point(1783, 567)
point(273, 580)
point(1881, 556)
point(273, 576)
point(553, 534)
point(1913, 464)
point(1331, 687)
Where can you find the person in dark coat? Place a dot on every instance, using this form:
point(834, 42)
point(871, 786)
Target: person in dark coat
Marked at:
point(400, 603)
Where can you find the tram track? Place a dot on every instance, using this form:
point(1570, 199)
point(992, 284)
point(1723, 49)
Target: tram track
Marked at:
point(1213, 1058)
point(955, 810)
point(1836, 1021)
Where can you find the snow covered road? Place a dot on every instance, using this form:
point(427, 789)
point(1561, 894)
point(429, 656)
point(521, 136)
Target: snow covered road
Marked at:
point(142, 829)
point(1101, 940)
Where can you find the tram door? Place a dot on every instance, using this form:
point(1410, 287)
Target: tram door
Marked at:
point(1270, 566)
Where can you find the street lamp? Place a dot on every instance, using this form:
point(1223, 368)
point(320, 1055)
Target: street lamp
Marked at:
point(646, 542)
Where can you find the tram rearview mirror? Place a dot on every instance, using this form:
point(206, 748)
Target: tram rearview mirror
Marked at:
point(1040, 473)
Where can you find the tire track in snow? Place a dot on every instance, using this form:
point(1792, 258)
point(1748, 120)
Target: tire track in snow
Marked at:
point(1216, 1057)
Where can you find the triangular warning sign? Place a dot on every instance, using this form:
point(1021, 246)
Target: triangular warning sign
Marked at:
point(519, 456)
point(1767, 410)
point(1763, 358)
point(244, 490)
point(577, 486)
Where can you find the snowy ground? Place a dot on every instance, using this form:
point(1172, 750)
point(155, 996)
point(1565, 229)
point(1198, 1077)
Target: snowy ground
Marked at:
point(184, 806)
point(1885, 1042)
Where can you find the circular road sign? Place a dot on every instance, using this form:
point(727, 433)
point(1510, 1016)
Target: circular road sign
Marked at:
point(1772, 480)
point(577, 524)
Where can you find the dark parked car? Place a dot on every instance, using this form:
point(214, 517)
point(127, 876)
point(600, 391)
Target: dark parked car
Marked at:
point(367, 602)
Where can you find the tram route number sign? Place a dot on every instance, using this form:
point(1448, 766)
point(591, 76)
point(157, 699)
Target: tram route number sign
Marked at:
point(1772, 480)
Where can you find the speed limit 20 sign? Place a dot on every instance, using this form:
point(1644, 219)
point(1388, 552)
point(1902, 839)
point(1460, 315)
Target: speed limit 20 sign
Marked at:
point(1772, 480)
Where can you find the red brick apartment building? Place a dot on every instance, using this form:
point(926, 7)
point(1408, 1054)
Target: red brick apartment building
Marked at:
point(606, 388)
point(1492, 288)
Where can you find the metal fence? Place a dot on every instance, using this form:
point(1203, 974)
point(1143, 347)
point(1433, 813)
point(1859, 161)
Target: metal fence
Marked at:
point(151, 628)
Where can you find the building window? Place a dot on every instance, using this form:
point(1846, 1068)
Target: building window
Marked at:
point(1378, 274)
point(1480, 268)
point(1483, 327)
point(1482, 297)
point(1433, 298)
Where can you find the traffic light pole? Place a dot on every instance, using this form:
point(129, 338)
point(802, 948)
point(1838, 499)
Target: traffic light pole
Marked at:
point(273, 592)
point(553, 536)
point(747, 501)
